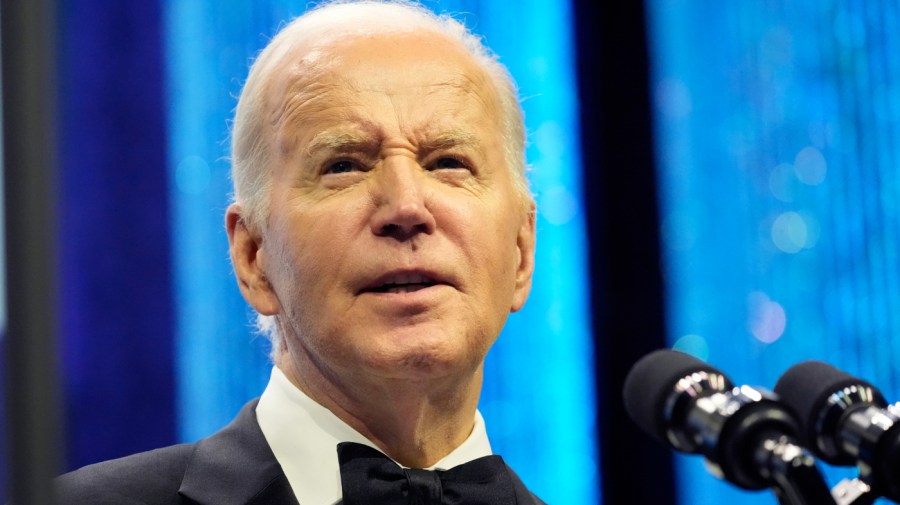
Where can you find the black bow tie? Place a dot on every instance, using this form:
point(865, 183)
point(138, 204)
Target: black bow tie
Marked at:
point(369, 477)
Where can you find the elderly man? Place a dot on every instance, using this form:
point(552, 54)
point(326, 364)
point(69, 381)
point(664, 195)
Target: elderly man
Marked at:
point(383, 230)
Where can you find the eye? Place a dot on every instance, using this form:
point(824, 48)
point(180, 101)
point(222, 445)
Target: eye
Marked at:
point(448, 163)
point(341, 167)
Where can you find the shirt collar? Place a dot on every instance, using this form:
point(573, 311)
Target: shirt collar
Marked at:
point(304, 435)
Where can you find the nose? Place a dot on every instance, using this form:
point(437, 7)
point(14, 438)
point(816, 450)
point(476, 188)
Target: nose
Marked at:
point(401, 196)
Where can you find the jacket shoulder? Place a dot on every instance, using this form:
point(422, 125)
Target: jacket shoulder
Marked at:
point(148, 478)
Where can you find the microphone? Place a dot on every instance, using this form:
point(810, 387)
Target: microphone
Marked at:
point(847, 422)
point(746, 435)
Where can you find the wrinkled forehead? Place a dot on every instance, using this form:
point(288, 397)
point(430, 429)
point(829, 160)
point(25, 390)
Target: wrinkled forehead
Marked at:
point(334, 72)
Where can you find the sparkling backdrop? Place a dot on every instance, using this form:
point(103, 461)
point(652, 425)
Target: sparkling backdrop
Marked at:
point(778, 141)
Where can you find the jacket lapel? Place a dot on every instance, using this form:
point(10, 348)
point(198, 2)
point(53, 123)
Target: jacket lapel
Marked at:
point(235, 466)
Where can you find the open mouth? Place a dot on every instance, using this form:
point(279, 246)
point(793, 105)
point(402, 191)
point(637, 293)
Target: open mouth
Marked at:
point(402, 283)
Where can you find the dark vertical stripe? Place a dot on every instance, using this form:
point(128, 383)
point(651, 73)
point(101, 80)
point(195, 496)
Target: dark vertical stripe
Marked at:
point(5, 383)
point(29, 183)
point(117, 322)
point(621, 201)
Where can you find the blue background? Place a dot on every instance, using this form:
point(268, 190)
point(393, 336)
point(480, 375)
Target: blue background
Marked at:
point(776, 140)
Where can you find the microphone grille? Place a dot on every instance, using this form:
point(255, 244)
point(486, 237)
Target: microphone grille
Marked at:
point(806, 387)
point(650, 382)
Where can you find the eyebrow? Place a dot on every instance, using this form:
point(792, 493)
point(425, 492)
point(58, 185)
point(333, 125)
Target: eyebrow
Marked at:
point(343, 140)
point(449, 139)
point(346, 140)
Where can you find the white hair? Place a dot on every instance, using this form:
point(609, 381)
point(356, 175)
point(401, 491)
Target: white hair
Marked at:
point(253, 135)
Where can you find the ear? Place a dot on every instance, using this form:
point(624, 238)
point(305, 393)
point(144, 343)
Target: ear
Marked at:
point(248, 261)
point(525, 243)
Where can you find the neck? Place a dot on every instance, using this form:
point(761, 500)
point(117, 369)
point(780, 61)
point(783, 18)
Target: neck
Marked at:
point(415, 422)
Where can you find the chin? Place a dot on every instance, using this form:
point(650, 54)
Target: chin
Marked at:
point(416, 351)
point(425, 363)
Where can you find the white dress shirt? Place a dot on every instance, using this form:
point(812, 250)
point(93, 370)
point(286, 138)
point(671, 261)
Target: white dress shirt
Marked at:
point(304, 435)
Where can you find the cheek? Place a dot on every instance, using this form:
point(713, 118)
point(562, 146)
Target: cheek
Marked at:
point(307, 257)
point(488, 237)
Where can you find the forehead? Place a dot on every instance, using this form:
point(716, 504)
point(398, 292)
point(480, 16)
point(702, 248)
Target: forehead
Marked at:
point(420, 75)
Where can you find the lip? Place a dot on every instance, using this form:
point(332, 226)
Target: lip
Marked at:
point(414, 279)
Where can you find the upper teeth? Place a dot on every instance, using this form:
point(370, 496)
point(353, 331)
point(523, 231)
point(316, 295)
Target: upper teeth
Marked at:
point(408, 279)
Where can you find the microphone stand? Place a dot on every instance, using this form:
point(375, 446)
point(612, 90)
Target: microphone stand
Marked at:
point(793, 472)
point(848, 423)
point(747, 436)
point(865, 438)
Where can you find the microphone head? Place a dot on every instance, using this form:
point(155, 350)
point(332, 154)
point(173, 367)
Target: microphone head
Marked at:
point(651, 382)
point(822, 396)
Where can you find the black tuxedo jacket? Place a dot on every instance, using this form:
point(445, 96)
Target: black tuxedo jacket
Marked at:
point(232, 467)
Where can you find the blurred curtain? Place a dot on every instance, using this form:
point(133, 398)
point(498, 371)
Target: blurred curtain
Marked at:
point(116, 314)
point(778, 141)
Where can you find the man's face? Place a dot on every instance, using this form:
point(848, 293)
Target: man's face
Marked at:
point(396, 242)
